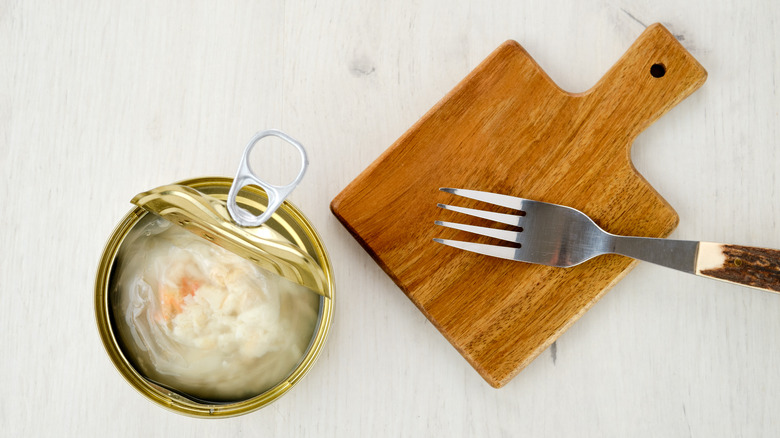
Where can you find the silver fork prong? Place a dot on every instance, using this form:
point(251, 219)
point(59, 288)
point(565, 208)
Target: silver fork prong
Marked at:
point(503, 252)
point(510, 236)
point(509, 219)
point(491, 198)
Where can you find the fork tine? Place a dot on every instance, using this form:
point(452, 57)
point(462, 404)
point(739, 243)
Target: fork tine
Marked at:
point(503, 252)
point(509, 219)
point(491, 198)
point(510, 236)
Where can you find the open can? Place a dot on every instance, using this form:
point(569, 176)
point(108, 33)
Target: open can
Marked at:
point(198, 205)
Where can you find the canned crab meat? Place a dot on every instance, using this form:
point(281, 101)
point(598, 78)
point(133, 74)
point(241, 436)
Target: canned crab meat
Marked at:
point(207, 318)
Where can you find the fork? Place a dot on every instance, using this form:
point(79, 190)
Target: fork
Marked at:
point(560, 236)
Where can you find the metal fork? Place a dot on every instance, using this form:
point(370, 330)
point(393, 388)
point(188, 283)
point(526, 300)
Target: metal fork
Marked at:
point(560, 236)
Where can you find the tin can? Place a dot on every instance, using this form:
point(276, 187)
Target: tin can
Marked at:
point(290, 223)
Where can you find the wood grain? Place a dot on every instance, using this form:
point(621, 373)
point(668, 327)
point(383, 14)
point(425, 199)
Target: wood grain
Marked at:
point(507, 128)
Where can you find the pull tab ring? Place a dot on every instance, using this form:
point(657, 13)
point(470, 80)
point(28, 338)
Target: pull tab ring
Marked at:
point(245, 177)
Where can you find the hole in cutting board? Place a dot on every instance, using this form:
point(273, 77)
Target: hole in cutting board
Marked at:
point(658, 70)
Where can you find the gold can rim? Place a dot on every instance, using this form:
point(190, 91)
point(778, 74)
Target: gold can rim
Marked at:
point(169, 399)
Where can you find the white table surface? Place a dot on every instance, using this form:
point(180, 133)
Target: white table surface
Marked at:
point(100, 100)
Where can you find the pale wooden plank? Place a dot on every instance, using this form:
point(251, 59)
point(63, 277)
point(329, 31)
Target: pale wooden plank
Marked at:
point(100, 100)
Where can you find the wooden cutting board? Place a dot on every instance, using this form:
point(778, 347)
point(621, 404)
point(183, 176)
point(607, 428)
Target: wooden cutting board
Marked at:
point(507, 128)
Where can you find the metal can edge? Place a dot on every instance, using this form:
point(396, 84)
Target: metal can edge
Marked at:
point(173, 401)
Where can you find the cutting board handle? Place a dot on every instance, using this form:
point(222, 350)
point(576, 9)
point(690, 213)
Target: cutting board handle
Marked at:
point(655, 74)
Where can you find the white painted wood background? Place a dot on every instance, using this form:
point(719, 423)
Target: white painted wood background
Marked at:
point(100, 100)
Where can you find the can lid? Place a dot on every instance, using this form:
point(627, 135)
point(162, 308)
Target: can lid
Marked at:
point(208, 218)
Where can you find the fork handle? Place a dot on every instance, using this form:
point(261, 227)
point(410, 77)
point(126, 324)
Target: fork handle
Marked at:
point(745, 265)
point(675, 254)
